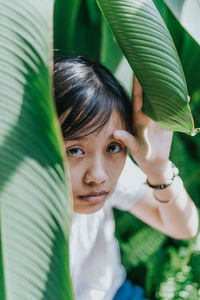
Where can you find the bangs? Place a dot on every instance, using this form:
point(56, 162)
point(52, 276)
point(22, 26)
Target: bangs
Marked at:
point(89, 116)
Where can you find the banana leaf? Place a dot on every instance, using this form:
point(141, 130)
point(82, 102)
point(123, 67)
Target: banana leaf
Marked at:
point(77, 28)
point(113, 58)
point(34, 199)
point(186, 36)
point(88, 31)
point(149, 49)
point(65, 20)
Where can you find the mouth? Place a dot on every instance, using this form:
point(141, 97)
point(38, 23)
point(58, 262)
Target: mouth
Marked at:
point(94, 197)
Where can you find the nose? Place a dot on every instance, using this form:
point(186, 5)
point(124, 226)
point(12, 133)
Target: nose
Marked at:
point(96, 173)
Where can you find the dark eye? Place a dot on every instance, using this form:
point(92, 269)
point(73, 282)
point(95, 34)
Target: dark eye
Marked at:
point(75, 152)
point(114, 148)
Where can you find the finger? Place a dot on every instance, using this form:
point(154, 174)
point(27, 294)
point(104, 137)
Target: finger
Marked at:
point(139, 118)
point(128, 140)
point(188, 97)
point(137, 95)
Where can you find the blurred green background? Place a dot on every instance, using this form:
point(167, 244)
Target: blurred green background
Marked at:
point(167, 268)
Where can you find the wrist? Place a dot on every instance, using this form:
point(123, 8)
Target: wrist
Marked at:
point(170, 194)
point(161, 175)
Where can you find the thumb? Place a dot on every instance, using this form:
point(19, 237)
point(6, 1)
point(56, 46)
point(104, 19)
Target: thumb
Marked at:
point(130, 141)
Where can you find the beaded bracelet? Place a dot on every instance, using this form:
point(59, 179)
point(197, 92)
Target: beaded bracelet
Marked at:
point(165, 185)
point(170, 201)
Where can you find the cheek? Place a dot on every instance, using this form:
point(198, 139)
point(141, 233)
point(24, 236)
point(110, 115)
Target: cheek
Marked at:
point(115, 166)
point(75, 171)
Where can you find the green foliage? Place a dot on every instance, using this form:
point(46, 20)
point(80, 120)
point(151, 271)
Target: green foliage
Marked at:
point(179, 279)
point(147, 45)
point(187, 15)
point(114, 59)
point(34, 201)
point(77, 24)
point(34, 212)
point(186, 151)
point(154, 268)
point(147, 239)
point(167, 268)
point(65, 20)
point(187, 48)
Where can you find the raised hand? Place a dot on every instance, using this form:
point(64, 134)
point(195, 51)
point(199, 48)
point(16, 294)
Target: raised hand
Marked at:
point(150, 147)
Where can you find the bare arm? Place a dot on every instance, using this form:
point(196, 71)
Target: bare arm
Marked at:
point(178, 220)
point(150, 148)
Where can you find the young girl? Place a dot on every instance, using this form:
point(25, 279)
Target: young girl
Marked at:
point(98, 128)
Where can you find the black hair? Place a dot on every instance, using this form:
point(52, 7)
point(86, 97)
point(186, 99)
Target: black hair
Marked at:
point(86, 95)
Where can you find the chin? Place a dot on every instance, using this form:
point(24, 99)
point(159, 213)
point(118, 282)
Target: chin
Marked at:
point(89, 209)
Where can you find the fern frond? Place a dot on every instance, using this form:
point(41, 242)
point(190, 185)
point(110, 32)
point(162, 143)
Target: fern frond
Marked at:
point(141, 246)
point(154, 273)
point(126, 225)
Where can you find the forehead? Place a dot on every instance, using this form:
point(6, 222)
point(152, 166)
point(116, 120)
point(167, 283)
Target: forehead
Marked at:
point(115, 123)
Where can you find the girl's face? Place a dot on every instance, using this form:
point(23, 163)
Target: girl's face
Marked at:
point(95, 164)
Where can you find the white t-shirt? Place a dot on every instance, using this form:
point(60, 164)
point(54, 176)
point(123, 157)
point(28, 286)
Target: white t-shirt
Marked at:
point(95, 265)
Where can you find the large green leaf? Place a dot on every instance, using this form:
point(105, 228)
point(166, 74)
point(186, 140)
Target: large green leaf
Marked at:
point(184, 148)
point(87, 36)
point(34, 202)
point(186, 45)
point(93, 11)
point(65, 20)
point(77, 28)
point(149, 48)
point(111, 53)
point(113, 58)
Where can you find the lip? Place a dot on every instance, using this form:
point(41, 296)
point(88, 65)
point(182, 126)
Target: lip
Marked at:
point(94, 197)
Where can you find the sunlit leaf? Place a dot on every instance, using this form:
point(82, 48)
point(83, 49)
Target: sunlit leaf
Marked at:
point(34, 202)
point(188, 48)
point(148, 46)
point(113, 58)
